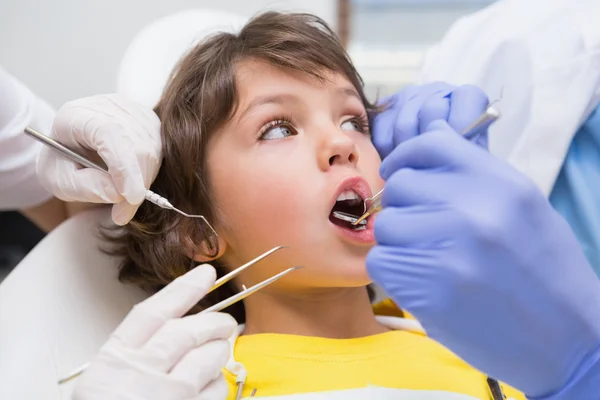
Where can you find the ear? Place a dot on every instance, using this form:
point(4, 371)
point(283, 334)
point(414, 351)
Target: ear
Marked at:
point(208, 250)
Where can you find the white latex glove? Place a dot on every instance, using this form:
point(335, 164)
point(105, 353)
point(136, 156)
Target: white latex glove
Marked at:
point(155, 355)
point(125, 135)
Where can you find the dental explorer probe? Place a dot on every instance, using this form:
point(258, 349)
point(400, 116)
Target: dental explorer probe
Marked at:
point(78, 158)
point(489, 116)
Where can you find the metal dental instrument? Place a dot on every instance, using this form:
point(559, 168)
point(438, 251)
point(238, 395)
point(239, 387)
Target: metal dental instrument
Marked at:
point(226, 278)
point(222, 304)
point(347, 217)
point(78, 158)
point(373, 209)
point(247, 292)
point(489, 116)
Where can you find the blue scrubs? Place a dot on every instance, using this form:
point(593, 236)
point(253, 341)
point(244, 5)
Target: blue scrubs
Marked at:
point(576, 193)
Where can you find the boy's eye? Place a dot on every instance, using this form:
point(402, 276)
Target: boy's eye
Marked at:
point(352, 125)
point(280, 131)
point(358, 124)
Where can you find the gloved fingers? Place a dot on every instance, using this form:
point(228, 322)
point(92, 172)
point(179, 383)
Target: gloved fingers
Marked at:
point(90, 185)
point(118, 372)
point(69, 127)
point(145, 117)
point(434, 108)
point(410, 187)
point(467, 103)
point(202, 365)
point(419, 226)
point(119, 153)
point(149, 141)
point(383, 122)
point(77, 121)
point(179, 336)
point(383, 262)
point(401, 272)
point(479, 140)
point(407, 122)
point(64, 180)
point(173, 301)
point(57, 175)
point(143, 126)
point(217, 389)
point(438, 147)
point(123, 212)
point(125, 135)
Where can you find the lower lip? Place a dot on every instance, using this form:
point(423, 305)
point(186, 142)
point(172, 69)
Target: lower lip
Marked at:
point(363, 236)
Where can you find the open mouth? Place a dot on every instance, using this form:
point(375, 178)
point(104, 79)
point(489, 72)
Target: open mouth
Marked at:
point(348, 207)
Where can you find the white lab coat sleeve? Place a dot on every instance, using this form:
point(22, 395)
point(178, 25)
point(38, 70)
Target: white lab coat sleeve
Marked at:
point(19, 107)
point(544, 58)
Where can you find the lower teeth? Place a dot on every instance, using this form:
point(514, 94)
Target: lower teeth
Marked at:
point(342, 216)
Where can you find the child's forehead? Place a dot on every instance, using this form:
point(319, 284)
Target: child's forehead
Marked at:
point(256, 77)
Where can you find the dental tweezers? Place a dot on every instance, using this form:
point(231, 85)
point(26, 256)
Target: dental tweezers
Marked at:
point(490, 115)
point(222, 304)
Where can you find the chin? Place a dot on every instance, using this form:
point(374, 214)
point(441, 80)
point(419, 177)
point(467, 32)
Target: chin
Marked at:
point(359, 278)
point(349, 274)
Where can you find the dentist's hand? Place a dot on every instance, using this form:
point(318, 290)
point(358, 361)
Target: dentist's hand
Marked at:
point(125, 135)
point(476, 253)
point(413, 108)
point(156, 355)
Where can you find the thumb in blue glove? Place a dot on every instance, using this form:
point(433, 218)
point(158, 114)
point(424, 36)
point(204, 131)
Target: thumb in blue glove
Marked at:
point(412, 109)
point(475, 252)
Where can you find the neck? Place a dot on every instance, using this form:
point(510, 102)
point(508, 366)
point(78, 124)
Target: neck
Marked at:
point(330, 313)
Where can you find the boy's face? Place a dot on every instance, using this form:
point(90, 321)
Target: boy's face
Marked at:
point(276, 169)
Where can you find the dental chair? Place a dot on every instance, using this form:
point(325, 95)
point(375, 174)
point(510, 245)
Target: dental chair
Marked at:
point(57, 308)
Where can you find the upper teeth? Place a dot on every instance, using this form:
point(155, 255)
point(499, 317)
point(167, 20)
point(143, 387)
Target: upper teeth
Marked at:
point(348, 195)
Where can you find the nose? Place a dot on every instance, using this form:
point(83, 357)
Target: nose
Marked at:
point(336, 148)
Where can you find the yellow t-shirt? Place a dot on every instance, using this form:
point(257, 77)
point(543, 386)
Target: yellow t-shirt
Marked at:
point(393, 365)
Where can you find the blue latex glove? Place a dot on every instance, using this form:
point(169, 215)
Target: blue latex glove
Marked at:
point(475, 252)
point(413, 108)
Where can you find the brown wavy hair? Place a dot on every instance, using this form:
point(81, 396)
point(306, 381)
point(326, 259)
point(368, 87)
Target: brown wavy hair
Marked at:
point(199, 98)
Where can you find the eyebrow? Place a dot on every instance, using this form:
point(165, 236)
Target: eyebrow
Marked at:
point(280, 99)
point(348, 92)
point(263, 100)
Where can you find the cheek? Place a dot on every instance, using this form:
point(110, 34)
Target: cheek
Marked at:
point(258, 200)
point(369, 163)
